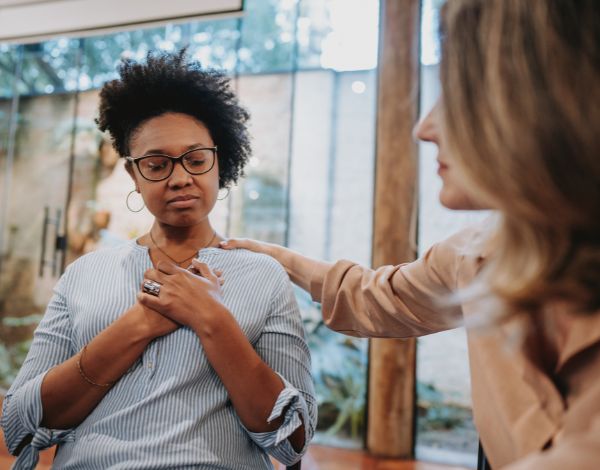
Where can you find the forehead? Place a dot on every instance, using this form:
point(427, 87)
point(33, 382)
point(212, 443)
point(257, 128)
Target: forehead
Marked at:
point(169, 133)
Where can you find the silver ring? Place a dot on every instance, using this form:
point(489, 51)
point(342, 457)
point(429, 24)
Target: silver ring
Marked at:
point(151, 287)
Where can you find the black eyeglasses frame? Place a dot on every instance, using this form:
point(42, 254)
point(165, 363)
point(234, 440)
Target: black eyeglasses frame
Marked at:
point(136, 161)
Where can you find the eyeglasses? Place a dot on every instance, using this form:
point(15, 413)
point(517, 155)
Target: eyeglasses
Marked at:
point(158, 167)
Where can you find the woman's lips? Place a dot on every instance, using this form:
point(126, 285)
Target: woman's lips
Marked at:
point(442, 167)
point(182, 202)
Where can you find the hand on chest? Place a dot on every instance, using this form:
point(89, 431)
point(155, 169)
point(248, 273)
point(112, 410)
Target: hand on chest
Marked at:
point(99, 302)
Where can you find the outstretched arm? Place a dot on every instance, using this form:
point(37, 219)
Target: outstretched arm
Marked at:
point(399, 301)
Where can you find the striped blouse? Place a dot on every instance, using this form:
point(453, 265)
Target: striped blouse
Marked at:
point(170, 409)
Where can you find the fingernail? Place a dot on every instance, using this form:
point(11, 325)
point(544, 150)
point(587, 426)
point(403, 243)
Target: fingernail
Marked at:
point(223, 243)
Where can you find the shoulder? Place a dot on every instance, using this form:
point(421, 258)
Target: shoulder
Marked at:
point(258, 263)
point(94, 267)
point(457, 259)
point(105, 256)
point(254, 274)
point(471, 242)
point(256, 279)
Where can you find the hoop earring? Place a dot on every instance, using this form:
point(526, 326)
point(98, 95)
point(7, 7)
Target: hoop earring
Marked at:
point(224, 197)
point(127, 201)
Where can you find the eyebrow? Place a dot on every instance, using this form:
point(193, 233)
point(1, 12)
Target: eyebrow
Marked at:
point(189, 147)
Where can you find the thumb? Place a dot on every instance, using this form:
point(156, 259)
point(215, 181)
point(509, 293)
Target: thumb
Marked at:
point(234, 243)
point(203, 269)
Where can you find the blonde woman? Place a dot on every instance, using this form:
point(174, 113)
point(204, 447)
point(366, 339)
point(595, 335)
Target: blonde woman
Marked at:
point(517, 129)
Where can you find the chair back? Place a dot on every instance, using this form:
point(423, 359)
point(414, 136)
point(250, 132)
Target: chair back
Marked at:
point(482, 461)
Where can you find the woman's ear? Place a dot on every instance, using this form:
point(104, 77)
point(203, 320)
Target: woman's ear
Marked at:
point(131, 171)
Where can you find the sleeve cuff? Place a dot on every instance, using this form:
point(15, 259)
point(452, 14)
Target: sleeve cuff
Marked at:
point(28, 403)
point(22, 413)
point(21, 418)
point(42, 439)
point(276, 442)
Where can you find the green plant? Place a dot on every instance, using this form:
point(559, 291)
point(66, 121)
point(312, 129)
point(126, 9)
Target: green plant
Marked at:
point(339, 367)
point(13, 355)
point(435, 412)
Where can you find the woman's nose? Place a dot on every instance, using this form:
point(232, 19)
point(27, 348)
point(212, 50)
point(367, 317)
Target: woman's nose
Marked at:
point(179, 177)
point(426, 130)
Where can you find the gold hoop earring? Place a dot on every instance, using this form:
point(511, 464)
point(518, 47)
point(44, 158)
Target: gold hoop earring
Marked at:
point(224, 197)
point(127, 201)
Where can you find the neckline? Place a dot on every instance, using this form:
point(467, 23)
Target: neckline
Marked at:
point(146, 249)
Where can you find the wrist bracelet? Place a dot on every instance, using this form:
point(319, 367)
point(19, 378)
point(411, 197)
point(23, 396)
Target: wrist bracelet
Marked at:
point(85, 377)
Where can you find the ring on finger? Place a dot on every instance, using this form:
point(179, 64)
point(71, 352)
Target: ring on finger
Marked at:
point(151, 287)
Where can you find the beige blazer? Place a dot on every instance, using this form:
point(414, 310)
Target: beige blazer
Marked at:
point(528, 416)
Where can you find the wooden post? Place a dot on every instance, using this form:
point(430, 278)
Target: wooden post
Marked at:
point(390, 429)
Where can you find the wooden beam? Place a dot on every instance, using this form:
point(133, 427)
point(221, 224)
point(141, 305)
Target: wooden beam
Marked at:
point(390, 431)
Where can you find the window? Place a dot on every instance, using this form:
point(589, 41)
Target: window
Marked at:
point(445, 429)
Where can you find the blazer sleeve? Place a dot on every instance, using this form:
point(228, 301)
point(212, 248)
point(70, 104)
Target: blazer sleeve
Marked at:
point(402, 301)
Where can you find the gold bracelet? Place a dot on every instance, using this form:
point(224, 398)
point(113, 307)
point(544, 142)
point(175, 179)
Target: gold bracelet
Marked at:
point(85, 377)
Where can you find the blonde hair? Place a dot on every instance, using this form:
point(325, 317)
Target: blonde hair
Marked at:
point(521, 103)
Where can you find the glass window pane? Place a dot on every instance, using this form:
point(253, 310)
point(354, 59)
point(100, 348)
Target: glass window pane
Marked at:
point(445, 429)
point(102, 53)
point(8, 64)
point(312, 28)
point(214, 43)
point(50, 67)
point(331, 218)
point(267, 36)
point(259, 202)
point(35, 202)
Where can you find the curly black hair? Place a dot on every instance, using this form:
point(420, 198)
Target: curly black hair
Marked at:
point(171, 82)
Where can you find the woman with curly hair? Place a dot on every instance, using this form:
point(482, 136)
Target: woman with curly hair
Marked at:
point(192, 369)
point(517, 131)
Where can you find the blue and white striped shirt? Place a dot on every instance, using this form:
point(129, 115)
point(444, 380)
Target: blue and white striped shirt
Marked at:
point(170, 410)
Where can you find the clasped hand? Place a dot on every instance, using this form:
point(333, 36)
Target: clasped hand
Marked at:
point(187, 296)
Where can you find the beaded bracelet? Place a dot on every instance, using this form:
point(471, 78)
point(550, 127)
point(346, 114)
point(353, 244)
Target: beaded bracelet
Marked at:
point(85, 377)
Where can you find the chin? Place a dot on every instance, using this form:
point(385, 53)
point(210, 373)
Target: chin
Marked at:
point(455, 201)
point(183, 219)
